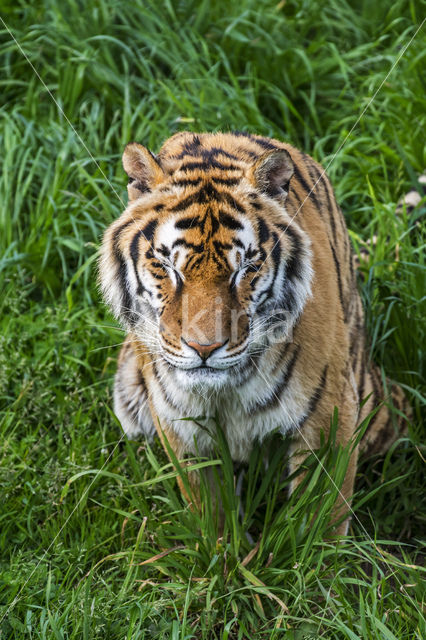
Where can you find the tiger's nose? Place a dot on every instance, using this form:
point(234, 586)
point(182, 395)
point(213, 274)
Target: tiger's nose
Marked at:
point(204, 350)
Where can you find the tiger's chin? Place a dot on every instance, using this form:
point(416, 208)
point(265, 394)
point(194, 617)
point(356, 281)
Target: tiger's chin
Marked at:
point(208, 378)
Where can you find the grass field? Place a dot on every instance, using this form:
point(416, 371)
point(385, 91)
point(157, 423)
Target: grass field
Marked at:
point(95, 541)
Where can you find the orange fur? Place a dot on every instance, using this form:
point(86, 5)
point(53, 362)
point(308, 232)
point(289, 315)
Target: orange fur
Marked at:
point(211, 220)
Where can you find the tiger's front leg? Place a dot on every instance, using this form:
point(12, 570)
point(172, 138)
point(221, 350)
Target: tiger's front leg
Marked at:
point(308, 439)
point(134, 408)
point(172, 443)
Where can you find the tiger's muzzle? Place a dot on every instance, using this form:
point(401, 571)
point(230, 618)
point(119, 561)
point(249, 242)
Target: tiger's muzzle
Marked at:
point(204, 331)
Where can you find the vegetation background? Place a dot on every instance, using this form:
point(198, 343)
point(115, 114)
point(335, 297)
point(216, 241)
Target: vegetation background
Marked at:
point(95, 540)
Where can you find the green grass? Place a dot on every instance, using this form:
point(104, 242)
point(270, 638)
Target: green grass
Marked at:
point(72, 538)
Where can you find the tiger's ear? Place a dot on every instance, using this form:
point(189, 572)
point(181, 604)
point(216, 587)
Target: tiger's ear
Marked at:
point(143, 169)
point(272, 172)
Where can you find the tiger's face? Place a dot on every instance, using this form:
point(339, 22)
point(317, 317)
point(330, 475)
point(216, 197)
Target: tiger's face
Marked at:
point(202, 265)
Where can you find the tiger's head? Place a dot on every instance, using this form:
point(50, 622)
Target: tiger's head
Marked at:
point(203, 262)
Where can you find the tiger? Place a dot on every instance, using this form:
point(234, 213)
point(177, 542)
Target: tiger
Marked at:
point(232, 273)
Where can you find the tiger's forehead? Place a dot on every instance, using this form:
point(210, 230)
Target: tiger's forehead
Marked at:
point(208, 211)
point(206, 236)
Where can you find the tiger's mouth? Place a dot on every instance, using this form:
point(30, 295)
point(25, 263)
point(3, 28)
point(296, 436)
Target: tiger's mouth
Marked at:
point(204, 377)
point(220, 376)
point(207, 370)
point(203, 368)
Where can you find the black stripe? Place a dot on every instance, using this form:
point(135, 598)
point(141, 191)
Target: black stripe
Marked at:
point(361, 385)
point(230, 182)
point(276, 252)
point(141, 380)
point(134, 254)
point(339, 281)
point(219, 263)
point(167, 341)
point(276, 258)
point(133, 405)
point(315, 398)
point(318, 177)
point(356, 329)
point(208, 155)
point(226, 197)
point(282, 357)
point(205, 166)
point(262, 142)
point(262, 230)
point(206, 193)
point(288, 297)
point(273, 400)
point(247, 152)
point(187, 182)
point(198, 260)
point(293, 193)
point(328, 195)
point(134, 247)
point(229, 221)
point(165, 251)
point(149, 230)
point(194, 198)
point(293, 265)
point(219, 246)
point(180, 242)
point(163, 388)
point(331, 207)
point(126, 301)
point(188, 223)
point(355, 346)
point(214, 223)
point(266, 144)
point(217, 151)
point(310, 192)
point(242, 134)
point(252, 268)
point(250, 253)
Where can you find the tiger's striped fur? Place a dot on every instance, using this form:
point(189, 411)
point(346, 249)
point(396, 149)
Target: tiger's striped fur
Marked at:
point(233, 229)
